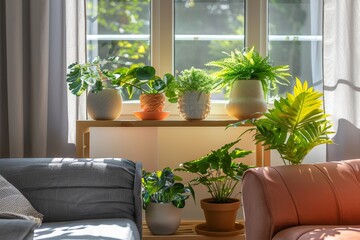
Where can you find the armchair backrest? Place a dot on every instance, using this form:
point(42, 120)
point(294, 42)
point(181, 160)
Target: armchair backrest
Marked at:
point(275, 198)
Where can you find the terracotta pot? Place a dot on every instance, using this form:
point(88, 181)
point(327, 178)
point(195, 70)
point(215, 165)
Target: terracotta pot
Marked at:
point(246, 100)
point(194, 105)
point(152, 102)
point(220, 217)
point(104, 105)
point(162, 218)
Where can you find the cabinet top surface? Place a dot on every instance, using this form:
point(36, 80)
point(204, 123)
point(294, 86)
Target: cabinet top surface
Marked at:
point(156, 123)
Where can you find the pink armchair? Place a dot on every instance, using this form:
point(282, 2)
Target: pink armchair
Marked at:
point(303, 202)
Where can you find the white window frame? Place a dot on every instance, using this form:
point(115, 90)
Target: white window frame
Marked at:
point(162, 44)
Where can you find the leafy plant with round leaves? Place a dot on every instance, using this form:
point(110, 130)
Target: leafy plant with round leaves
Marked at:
point(142, 78)
point(93, 75)
point(294, 126)
point(192, 79)
point(218, 171)
point(164, 187)
point(250, 65)
point(90, 75)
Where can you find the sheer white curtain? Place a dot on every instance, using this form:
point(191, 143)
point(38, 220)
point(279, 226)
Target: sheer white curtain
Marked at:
point(342, 76)
point(33, 61)
point(75, 52)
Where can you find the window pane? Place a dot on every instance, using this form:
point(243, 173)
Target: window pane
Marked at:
point(206, 28)
point(298, 40)
point(119, 28)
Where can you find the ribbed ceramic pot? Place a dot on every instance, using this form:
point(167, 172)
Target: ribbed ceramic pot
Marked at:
point(104, 105)
point(246, 100)
point(162, 218)
point(152, 102)
point(220, 217)
point(194, 105)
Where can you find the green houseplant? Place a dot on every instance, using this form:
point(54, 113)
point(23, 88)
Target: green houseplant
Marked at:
point(220, 174)
point(104, 102)
point(191, 90)
point(163, 196)
point(97, 76)
point(151, 87)
point(295, 125)
point(247, 98)
point(94, 75)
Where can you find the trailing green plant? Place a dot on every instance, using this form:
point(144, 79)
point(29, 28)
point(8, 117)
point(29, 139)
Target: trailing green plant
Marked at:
point(192, 79)
point(164, 187)
point(249, 65)
point(94, 74)
point(218, 171)
point(295, 125)
point(90, 75)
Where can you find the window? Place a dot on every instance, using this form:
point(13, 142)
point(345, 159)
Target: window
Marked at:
point(119, 28)
point(290, 31)
point(205, 29)
point(297, 41)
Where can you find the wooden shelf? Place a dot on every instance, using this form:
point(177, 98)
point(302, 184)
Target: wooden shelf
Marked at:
point(155, 123)
point(83, 132)
point(186, 231)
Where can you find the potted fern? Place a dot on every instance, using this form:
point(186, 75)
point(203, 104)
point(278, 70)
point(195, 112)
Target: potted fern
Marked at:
point(294, 126)
point(220, 174)
point(163, 198)
point(250, 77)
point(191, 90)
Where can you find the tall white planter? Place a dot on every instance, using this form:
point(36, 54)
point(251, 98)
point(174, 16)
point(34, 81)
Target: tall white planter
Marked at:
point(246, 100)
point(162, 218)
point(194, 105)
point(104, 105)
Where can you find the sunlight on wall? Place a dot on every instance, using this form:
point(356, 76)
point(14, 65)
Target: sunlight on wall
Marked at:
point(163, 147)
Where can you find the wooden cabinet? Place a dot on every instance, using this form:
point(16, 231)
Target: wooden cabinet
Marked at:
point(83, 133)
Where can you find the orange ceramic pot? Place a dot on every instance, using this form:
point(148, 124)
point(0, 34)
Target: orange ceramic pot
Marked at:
point(152, 102)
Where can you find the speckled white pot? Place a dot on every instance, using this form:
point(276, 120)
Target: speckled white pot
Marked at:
point(194, 105)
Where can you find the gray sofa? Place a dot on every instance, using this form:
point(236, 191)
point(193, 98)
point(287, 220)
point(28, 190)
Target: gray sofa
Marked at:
point(79, 198)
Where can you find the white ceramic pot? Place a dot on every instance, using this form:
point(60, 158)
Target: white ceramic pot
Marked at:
point(194, 105)
point(104, 105)
point(246, 100)
point(162, 218)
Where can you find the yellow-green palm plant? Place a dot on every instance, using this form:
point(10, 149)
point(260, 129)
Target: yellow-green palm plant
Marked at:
point(295, 125)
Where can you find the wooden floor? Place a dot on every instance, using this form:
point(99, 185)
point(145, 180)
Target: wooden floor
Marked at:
point(186, 231)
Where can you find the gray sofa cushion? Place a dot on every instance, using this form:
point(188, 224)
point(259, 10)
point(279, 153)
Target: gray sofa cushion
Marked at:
point(18, 229)
point(115, 228)
point(75, 189)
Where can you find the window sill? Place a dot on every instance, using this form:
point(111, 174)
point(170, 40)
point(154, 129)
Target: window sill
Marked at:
point(217, 110)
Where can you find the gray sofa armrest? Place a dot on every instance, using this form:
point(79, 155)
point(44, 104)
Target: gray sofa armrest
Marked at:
point(137, 196)
point(17, 229)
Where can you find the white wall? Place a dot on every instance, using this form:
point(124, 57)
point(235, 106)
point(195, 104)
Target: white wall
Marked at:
point(157, 148)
